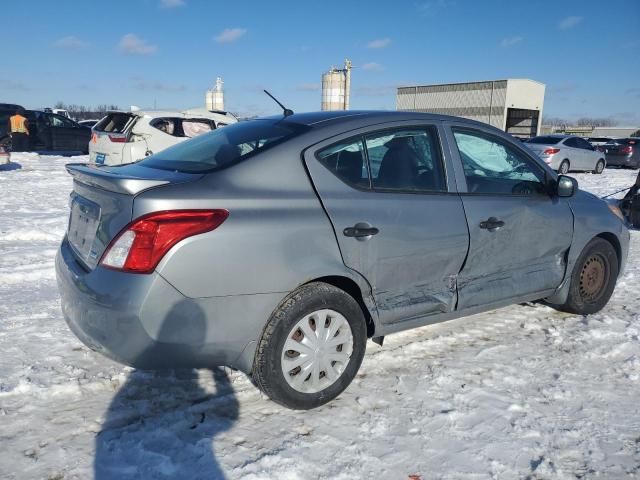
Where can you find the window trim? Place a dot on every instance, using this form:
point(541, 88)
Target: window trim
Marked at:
point(505, 142)
point(361, 137)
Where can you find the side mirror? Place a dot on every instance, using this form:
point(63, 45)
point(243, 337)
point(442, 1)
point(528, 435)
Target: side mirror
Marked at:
point(566, 186)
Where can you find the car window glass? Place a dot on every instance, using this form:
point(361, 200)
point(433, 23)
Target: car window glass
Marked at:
point(59, 121)
point(493, 166)
point(347, 161)
point(193, 128)
point(584, 144)
point(571, 142)
point(166, 125)
point(406, 159)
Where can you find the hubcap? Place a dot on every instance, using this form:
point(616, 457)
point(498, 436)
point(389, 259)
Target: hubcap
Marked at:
point(592, 278)
point(317, 351)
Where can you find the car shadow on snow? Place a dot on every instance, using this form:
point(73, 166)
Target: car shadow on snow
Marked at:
point(6, 167)
point(163, 424)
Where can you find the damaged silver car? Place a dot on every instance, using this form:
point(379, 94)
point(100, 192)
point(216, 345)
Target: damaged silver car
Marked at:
point(278, 246)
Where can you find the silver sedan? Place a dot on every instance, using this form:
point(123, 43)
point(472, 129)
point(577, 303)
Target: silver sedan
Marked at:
point(279, 245)
point(565, 153)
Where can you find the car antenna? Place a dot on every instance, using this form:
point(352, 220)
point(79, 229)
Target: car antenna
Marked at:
point(285, 111)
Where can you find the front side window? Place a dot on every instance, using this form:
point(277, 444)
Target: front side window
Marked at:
point(494, 167)
point(406, 159)
point(60, 121)
point(347, 161)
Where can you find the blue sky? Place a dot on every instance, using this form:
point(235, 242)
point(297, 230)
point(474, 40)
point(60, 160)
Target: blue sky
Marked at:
point(168, 52)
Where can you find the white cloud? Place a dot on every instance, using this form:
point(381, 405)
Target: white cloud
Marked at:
point(308, 87)
point(172, 3)
point(569, 22)
point(229, 35)
point(510, 41)
point(373, 67)
point(70, 42)
point(379, 43)
point(131, 44)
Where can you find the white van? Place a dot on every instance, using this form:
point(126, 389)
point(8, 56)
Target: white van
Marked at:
point(126, 137)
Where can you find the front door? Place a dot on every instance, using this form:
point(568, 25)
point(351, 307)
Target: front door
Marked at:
point(396, 223)
point(63, 133)
point(519, 234)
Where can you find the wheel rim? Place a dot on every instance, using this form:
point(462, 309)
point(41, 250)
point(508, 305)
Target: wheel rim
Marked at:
point(593, 278)
point(564, 168)
point(600, 167)
point(317, 351)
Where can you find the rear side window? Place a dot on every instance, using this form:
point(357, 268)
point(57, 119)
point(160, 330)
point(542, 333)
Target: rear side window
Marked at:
point(406, 159)
point(180, 127)
point(225, 146)
point(545, 140)
point(348, 162)
point(115, 123)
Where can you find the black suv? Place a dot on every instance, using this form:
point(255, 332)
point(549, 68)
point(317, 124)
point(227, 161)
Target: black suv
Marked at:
point(48, 132)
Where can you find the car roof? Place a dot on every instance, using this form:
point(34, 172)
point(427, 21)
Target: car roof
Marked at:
point(187, 113)
point(324, 118)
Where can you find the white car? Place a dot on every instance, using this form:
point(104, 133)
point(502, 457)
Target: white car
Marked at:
point(126, 137)
point(565, 153)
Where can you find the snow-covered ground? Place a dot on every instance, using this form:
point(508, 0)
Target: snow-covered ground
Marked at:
point(521, 392)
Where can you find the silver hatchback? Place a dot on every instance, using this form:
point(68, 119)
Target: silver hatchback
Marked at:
point(279, 245)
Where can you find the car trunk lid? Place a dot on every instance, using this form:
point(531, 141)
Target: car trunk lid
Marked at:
point(102, 203)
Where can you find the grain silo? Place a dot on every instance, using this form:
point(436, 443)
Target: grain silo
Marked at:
point(214, 99)
point(336, 88)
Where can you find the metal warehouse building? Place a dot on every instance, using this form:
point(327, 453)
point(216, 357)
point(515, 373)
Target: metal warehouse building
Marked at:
point(513, 105)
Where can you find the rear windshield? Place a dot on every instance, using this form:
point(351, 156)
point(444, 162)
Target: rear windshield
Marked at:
point(114, 123)
point(223, 147)
point(598, 139)
point(545, 140)
point(624, 141)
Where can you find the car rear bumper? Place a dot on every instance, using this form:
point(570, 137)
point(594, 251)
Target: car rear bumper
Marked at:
point(622, 161)
point(143, 321)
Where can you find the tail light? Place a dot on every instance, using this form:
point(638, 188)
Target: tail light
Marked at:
point(627, 149)
point(117, 139)
point(550, 151)
point(140, 246)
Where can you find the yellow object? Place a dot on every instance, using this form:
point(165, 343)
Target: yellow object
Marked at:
point(18, 124)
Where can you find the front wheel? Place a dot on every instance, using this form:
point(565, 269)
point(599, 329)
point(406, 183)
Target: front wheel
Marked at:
point(564, 167)
point(599, 167)
point(311, 348)
point(593, 278)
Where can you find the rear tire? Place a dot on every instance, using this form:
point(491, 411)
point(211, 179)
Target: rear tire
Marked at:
point(301, 363)
point(599, 167)
point(564, 167)
point(593, 278)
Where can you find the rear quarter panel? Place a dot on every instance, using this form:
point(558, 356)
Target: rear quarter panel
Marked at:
point(276, 237)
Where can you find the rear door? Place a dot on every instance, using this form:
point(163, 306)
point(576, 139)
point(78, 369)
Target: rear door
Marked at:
point(577, 156)
point(519, 234)
point(396, 216)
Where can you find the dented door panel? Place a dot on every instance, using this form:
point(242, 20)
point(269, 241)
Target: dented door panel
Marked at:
point(525, 255)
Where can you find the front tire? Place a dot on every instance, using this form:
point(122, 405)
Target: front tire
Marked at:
point(599, 167)
point(593, 278)
point(311, 348)
point(564, 167)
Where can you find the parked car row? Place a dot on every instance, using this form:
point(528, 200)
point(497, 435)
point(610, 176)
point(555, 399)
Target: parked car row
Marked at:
point(279, 245)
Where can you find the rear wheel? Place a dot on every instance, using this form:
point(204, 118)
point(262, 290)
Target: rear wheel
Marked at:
point(599, 167)
point(564, 167)
point(593, 279)
point(311, 348)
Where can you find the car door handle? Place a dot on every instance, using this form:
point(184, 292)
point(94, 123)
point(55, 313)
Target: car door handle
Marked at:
point(492, 223)
point(359, 231)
